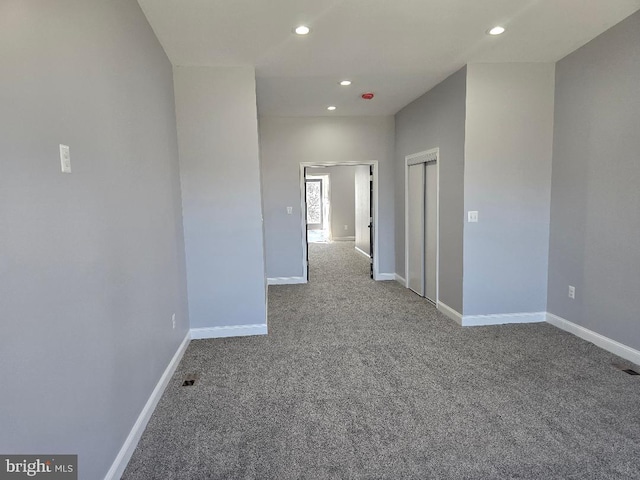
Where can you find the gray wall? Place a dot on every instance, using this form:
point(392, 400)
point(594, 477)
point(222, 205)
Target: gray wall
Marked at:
point(595, 224)
point(507, 179)
point(437, 119)
point(91, 263)
point(363, 207)
point(220, 175)
point(284, 143)
point(342, 193)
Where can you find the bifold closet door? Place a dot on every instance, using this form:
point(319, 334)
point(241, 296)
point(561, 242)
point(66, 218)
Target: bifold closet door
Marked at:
point(416, 218)
point(431, 234)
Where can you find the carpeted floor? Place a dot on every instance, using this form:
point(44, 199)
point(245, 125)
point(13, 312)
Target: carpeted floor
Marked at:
point(362, 379)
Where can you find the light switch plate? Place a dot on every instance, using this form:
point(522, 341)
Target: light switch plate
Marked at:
point(472, 216)
point(289, 210)
point(65, 159)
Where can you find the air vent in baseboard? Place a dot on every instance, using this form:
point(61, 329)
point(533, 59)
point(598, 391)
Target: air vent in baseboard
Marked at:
point(190, 379)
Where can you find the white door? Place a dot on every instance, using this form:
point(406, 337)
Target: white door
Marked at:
point(431, 232)
point(416, 226)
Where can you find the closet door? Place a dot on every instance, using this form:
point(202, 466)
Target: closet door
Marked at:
point(431, 232)
point(416, 229)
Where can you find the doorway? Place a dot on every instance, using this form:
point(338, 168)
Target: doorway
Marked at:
point(422, 223)
point(371, 178)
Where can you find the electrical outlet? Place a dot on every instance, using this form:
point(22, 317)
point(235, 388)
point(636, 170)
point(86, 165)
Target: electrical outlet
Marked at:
point(346, 227)
point(173, 320)
point(572, 292)
point(472, 216)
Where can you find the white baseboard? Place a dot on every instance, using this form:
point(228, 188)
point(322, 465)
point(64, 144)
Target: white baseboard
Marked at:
point(343, 239)
point(503, 318)
point(450, 312)
point(484, 320)
point(286, 280)
point(228, 331)
point(124, 455)
point(601, 341)
point(362, 252)
point(385, 276)
point(401, 280)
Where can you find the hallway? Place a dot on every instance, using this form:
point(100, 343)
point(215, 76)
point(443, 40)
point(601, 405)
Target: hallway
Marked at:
point(364, 379)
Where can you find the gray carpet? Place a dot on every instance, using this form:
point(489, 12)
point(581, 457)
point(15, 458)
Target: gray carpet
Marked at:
point(362, 379)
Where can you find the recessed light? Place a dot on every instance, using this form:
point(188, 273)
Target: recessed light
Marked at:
point(497, 30)
point(345, 83)
point(302, 30)
point(331, 108)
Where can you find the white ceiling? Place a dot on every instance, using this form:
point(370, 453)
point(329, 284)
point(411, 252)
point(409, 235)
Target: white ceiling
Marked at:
point(398, 49)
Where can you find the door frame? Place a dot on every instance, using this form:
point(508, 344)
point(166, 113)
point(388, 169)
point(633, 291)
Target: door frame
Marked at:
point(413, 159)
point(303, 225)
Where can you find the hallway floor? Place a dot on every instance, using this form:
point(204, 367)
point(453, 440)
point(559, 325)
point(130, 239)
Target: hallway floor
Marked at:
point(317, 236)
point(363, 379)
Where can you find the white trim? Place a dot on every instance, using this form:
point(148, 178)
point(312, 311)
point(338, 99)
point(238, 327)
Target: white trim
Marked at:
point(385, 276)
point(414, 159)
point(286, 280)
point(437, 152)
point(450, 312)
point(423, 157)
point(228, 331)
point(502, 318)
point(344, 239)
point(303, 226)
point(496, 319)
point(601, 341)
point(401, 280)
point(128, 447)
point(362, 252)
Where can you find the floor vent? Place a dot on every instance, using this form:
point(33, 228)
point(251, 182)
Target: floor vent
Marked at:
point(189, 380)
point(626, 369)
